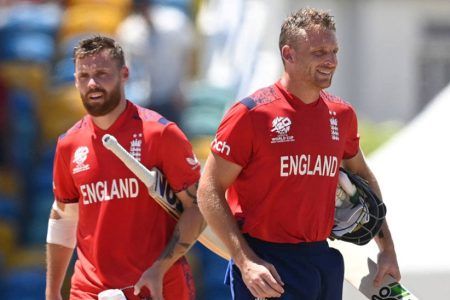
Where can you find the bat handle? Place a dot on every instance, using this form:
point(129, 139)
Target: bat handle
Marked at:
point(105, 138)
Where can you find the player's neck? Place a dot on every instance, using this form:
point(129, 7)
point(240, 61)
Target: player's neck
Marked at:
point(104, 122)
point(301, 90)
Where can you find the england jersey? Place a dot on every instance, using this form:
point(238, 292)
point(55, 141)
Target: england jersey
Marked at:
point(121, 230)
point(290, 154)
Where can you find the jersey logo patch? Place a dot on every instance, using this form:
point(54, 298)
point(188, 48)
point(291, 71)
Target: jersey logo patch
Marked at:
point(79, 157)
point(334, 126)
point(281, 126)
point(193, 162)
point(135, 146)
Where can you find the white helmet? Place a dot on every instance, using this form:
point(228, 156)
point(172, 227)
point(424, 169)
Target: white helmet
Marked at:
point(359, 212)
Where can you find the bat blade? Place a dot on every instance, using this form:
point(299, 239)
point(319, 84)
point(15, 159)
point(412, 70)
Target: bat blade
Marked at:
point(362, 278)
point(159, 189)
point(360, 272)
point(389, 288)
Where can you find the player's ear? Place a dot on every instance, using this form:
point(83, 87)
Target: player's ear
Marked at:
point(125, 72)
point(287, 53)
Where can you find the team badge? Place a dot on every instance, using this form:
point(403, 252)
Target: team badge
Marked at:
point(281, 126)
point(135, 146)
point(334, 126)
point(79, 157)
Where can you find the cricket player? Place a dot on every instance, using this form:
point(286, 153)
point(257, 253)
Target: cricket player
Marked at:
point(268, 187)
point(124, 239)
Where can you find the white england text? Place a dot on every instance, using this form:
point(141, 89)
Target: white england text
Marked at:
point(307, 164)
point(109, 190)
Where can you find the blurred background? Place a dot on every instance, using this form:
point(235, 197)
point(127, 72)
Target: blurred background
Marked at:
point(190, 60)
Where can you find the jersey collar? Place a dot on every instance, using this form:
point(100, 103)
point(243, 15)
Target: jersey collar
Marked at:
point(119, 123)
point(294, 100)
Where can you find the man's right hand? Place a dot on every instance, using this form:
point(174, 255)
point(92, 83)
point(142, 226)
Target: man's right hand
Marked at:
point(261, 278)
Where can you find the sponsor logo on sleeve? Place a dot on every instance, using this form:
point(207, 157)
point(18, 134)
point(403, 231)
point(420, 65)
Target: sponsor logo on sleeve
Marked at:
point(193, 162)
point(221, 146)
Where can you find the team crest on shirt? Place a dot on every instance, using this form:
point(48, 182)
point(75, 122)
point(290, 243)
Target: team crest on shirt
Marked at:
point(281, 127)
point(334, 126)
point(135, 146)
point(79, 157)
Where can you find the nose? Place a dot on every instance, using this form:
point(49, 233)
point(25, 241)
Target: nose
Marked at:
point(92, 82)
point(332, 60)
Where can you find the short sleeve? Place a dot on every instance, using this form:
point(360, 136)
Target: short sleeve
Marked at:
point(352, 141)
point(233, 140)
point(179, 164)
point(64, 188)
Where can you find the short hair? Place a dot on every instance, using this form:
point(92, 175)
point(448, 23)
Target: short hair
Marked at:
point(304, 19)
point(96, 44)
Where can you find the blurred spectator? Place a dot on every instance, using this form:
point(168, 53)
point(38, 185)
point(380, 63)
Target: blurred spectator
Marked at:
point(158, 41)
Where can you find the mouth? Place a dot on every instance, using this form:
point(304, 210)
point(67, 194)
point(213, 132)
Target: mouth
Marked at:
point(324, 72)
point(95, 95)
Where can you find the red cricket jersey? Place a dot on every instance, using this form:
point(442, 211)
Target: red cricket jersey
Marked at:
point(121, 229)
point(290, 153)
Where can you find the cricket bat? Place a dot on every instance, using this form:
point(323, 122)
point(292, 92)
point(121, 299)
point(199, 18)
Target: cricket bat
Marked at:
point(360, 271)
point(159, 189)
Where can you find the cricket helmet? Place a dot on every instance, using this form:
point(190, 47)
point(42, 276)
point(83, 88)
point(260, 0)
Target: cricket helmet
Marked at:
point(359, 212)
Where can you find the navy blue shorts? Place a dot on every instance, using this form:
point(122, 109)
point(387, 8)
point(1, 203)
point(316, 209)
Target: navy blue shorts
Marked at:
point(310, 271)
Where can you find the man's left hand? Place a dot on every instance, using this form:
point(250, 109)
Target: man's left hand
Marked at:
point(387, 265)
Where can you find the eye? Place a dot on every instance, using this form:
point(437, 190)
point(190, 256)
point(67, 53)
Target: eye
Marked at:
point(81, 76)
point(318, 53)
point(103, 74)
